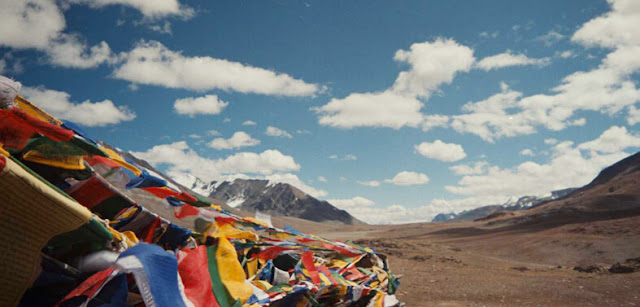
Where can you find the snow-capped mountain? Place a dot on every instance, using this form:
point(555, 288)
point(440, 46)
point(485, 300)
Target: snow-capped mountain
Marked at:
point(267, 196)
point(513, 204)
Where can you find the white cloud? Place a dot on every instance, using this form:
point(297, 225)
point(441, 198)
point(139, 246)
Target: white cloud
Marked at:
point(87, 113)
point(569, 166)
point(507, 59)
point(209, 104)
point(466, 169)
point(612, 140)
point(385, 109)
point(30, 23)
point(38, 24)
point(633, 115)
point(408, 178)
point(347, 157)
point(527, 152)
point(448, 152)
point(485, 34)
point(567, 54)
point(351, 203)
point(343, 179)
point(226, 120)
point(550, 38)
point(213, 133)
point(249, 123)
point(152, 9)
point(71, 51)
point(608, 88)
point(616, 28)
point(432, 121)
point(364, 209)
point(370, 183)
point(431, 65)
point(273, 131)
point(195, 136)
point(9, 64)
point(237, 140)
point(179, 157)
point(322, 179)
point(150, 62)
point(293, 180)
point(165, 28)
point(550, 141)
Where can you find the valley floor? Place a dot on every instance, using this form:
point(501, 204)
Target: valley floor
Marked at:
point(462, 264)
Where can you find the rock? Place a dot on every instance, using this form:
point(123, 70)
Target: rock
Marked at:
point(619, 268)
point(520, 268)
point(421, 258)
point(589, 268)
point(629, 266)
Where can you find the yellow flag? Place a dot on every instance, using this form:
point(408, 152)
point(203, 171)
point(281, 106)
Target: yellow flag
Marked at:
point(231, 272)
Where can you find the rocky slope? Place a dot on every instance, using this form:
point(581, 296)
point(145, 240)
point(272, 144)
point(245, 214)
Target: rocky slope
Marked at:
point(522, 203)
point(278, 199)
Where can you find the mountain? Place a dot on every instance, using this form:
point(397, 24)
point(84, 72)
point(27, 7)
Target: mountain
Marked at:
point(522, 203)
point(275, 198)
point(613, 194)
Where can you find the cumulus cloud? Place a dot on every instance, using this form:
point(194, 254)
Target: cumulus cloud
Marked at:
point(433, 121)
point(277, 132)
point(550, 38)
point(384, 109)
point(213, 133)
point(527, 152)
point(293, 180)
point(30, 23)
point(351, 203)
point(370, 183)
point(612, 140)
point(179, 157)
point(616, 28)
point(150, 62)
point(366, 210)
point(550, 141)
point(607, 89)
point(209, 104)
point(507, 59)
point(152, 9)
point(439, 150)
point(408, 178)
point(87, 113)
point(249, 123)
point(633, 115)
point(38, 24)
point(237, 140)
point(569, 166)
point(431, 65)
point(322, 179)
point(470, 169)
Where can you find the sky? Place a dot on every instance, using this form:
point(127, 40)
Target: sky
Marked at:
point(393, 111)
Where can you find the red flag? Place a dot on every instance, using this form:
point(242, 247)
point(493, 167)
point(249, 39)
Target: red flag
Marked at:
point(185, 210)
point(90, 192)
point(307, 261)
point(192, 267)
point(161, 192)
point(16, 127)
point(90, 286)
point(187, 198)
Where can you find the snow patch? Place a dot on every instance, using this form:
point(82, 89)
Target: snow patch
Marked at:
point(236, 201)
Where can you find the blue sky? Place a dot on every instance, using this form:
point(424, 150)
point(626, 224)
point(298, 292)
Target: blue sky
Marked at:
point(395, 112)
